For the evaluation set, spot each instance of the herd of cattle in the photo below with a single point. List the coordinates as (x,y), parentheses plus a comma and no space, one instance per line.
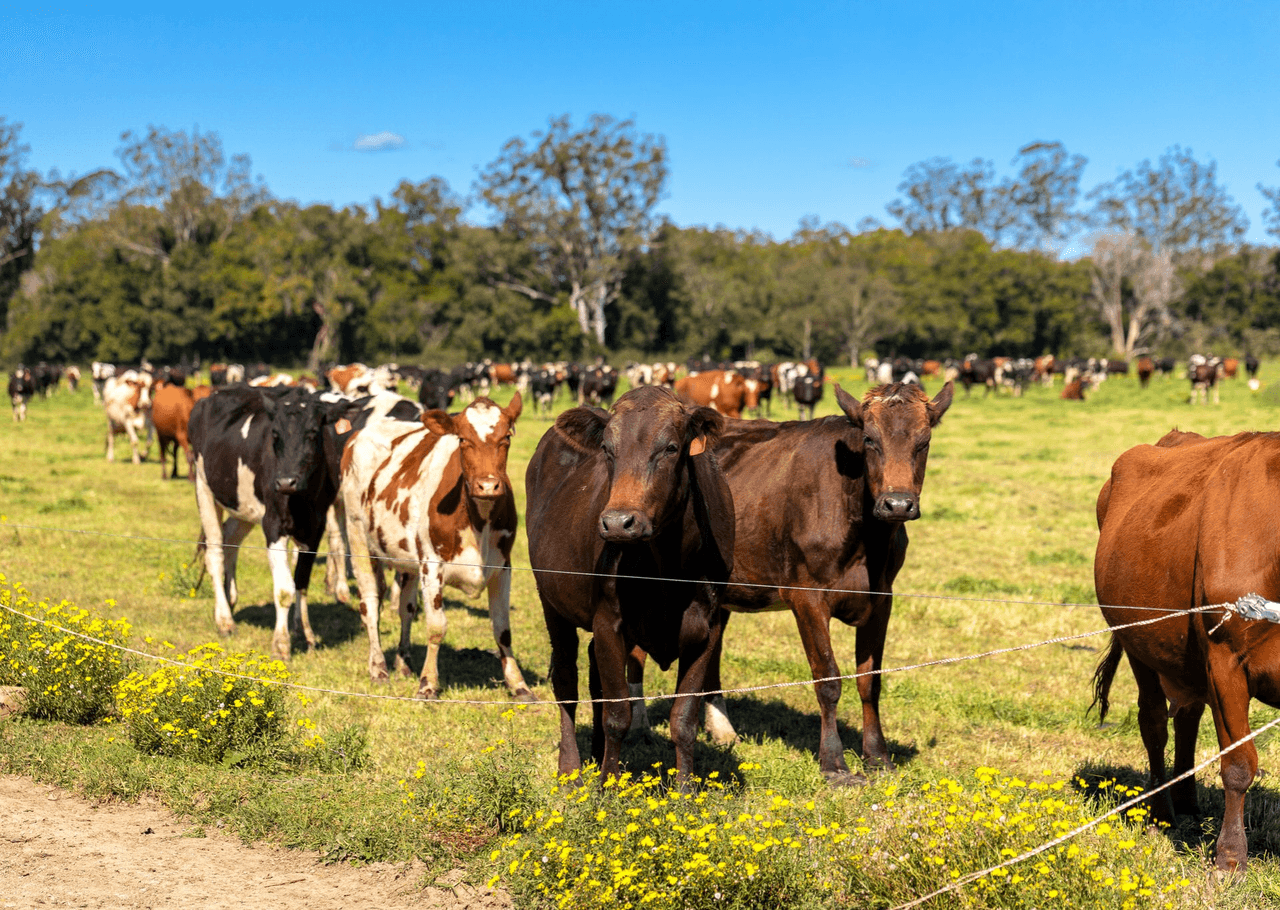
(651,522)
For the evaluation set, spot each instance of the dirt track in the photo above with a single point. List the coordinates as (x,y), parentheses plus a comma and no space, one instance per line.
(57,850)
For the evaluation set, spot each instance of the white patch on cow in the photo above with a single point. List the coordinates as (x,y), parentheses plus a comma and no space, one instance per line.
(483,417)
(244,430)
(715,390)
(248,508)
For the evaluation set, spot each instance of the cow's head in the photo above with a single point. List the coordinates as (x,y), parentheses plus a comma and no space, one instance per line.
(298,418)
(484,433)
(653,447)
(897,424)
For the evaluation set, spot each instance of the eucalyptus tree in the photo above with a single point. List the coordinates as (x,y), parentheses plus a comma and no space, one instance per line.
(581,201)
(938,195)
(1271,215)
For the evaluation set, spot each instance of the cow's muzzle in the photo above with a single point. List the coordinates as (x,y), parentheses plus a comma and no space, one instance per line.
(490,487)
(897,507)
(287,485)
(621,525)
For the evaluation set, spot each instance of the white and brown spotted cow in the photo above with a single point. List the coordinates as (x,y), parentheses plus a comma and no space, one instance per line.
(127,400)
(433,503)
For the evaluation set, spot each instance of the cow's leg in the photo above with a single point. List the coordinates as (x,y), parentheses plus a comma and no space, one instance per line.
(214,557)
(406,590)
(335,564)
(870,650)
(1186,728)
(703,633)
(299,616)
(500,618)
(716,713)
(234,531)
(283,592)
(814,623)
(367,583)
(111,441)
(635,685)
(564,683)
(1153,724)
(164,461)
(1229,693)
(132,432)
(610,652)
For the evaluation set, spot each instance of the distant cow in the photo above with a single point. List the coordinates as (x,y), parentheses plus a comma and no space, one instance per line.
(1251,366)
(127,401)
(1075,390)
(435,390)
(21,389)
(170,411)
(807,390)
(598,385)
(434,504)
(1204,380)
(264,457)
(725,391)
(978,372)
(630,526)
(1146,367)
(99,373)
(1183,525)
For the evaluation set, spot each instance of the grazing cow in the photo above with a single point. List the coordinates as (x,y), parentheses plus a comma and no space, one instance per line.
(435,503)
(831,546)
(21,389)
(1187,524)
(1146,367)
(630,527)
(170,412)
(127,401)
(978,372)
(724,391)
(264,457)
(1204,380)
(807,391)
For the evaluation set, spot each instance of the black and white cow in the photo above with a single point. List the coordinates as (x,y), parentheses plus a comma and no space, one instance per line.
(21,387)
(264,457)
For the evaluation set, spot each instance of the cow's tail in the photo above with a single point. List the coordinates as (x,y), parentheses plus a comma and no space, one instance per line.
(1103,676)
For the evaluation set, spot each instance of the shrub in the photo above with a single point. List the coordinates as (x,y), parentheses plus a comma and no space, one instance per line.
(211,706)
(67,659)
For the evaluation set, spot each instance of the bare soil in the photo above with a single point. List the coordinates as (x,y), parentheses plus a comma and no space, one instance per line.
(58,850)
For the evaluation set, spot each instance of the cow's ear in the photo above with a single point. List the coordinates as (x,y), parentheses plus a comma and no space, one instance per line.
(940,403)
(705,427)
(268,404)
(851,406)
(438,422)
(583,428)
(513,410)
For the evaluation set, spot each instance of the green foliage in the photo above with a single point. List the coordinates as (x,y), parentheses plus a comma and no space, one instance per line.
(64,657)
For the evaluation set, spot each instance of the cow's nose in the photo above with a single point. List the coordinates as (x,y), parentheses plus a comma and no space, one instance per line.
(897,507)
(488,487)
(286,484)
(624,525)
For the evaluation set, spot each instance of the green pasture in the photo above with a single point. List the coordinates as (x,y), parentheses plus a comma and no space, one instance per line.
(1001,558)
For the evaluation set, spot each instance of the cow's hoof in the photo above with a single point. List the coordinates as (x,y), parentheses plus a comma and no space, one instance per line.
(428,694)
(379,676)
(525,696)
(845,778)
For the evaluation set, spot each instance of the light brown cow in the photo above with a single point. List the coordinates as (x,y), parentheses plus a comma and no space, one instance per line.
(127,399)
(170,411)
(724,390)
(435,505)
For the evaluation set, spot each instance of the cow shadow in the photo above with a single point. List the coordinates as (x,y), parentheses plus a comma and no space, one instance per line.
(467,668)
(333,623)
(1105,786)
(756,720)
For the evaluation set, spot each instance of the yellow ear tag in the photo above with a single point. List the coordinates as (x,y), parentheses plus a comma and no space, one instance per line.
(698,446)
(343,426)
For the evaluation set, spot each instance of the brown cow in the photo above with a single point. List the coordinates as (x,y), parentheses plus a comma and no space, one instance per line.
(435,504)
(1146,367)
(1183,525)
(818,545)
(1230,367)
(1074,390)
(724,390)
(170,411)
(630,494)
(1204,381)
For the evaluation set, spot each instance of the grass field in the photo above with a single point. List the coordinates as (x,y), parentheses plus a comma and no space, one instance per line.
(1001,558)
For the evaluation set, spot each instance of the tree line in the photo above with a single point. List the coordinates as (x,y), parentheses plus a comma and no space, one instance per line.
(180,253)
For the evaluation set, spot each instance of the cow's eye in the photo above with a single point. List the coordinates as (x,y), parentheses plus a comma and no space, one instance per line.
(672,448)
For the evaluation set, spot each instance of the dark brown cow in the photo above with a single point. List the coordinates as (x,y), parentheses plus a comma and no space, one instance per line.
(1185,524)
(435,504)
(819,546)
(170,411)
(1146,367)
(1204,382)
(630,529)
(724,390)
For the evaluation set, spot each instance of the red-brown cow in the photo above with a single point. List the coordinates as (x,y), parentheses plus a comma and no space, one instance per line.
(818,547)
(630,527)
(434,503)
(170,412)
(1185,524)
(724,390)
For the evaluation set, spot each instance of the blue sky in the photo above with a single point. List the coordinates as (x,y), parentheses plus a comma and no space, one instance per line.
(771,111)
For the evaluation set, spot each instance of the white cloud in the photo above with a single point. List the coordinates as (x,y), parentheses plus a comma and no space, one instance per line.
(378,142)
(859,162)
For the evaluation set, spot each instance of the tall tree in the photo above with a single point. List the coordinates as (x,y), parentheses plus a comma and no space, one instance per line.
(581,201)
(1271,215)
(940,196)
(1175,205)
(1045,195)
(1133,286)
(20,213)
